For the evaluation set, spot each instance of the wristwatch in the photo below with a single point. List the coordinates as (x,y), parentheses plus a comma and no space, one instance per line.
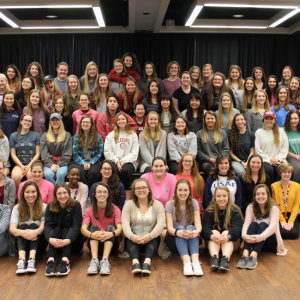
(229,237)
(114,234)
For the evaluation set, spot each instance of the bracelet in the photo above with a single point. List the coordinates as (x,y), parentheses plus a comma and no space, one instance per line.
(176,231)
(240,161)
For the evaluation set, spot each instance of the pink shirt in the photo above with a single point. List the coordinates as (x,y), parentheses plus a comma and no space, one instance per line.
(78,114)
(162,191)
(46,189)
(102,222)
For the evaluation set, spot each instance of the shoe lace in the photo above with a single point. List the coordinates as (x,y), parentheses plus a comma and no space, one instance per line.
(21,264)
(93,262)
(105,263)
(224,259)
(243,258)
(31,263)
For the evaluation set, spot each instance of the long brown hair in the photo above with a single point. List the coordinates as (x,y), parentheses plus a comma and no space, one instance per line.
(135,94)
(277,103)
(145,76)
(40,75)
(254,104)
(245,99)
(221,113)
(65,111)
(297,100)
(247,176)
(23,208)
(68,93)
(134,196)
(215,170)
(1,132)
(292,74)
(240,79)
(263,79)
(116,127)
(287,124)
(17,79)
(41,103)
(234,134)
(124,72)
(199,79)
(92,141)
(3,108)
(109,209)
(97,91)
(211,89)
(20,125)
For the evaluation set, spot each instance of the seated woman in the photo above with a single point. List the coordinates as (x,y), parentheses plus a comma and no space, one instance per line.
(259,77)
(223,174)
(194,112)
(272,85)
(63,220)
(87,150)
(241,143)
(46,188)
(139,117)
(13,76)
(162,183)
(27,224)
(255,174)
(180,141)
(272,144)
(71,97)
(122,148)
(211,142)
(248,94)
(143,220)
(132,65)
(35,71)
(79,191)
(222,225)
(24,149)
(4,151)
(261,228)
(187,169)
(108,174)
(153,96)
(6,242)
(184,228)
(22,95)
(286,194)
(152,141)
(7,188)
(50,91)
(101,225)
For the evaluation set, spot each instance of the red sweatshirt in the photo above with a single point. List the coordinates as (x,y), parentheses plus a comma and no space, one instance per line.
(140,126)
(129,109)
(133,73)
(115,77)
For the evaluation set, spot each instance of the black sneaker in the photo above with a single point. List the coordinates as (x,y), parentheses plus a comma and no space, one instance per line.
(224,263)
(146,269)
(64,268)
(136,268)
(50,268)
(214,262)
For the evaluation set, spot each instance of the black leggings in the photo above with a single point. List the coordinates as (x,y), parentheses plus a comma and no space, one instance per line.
(293,233)
(272,171)
(268,245)
(38,245)
(150,249)
(115,241)
(89,177)
(126,175)
(75,247)
(206,167)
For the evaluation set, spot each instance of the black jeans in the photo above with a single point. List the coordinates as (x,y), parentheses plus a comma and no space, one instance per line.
(272,171)
(89,177)
(268,245)
(126,175)
(293,233)
(75,247)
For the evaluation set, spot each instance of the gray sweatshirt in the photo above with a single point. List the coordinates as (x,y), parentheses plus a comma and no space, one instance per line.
(4,151)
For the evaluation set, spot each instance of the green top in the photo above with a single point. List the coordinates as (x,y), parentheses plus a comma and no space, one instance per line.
(72,105)
(294,141)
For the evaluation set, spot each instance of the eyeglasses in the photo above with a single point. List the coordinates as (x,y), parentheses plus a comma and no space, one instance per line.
(26,82)
(188,161)
(143,188)
(27,121)
(102,192)
(106,169)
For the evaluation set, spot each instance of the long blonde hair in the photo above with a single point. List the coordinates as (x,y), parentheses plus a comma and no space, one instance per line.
(221,113)
(68,93)
(147,132)
(5,78)
(97,91)
(86,76)
(276,134)
(135,94)
(116,127)
(240,79)
(61,137)
(217,134)
(266,105)
(203,78)
(297,100)
(199,79)
(41,103)
(47,95)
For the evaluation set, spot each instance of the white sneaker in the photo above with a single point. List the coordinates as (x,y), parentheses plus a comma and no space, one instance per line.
(187,268)
(197,268)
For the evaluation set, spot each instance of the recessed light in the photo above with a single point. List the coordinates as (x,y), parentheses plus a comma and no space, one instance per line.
(51,17)
(238,16)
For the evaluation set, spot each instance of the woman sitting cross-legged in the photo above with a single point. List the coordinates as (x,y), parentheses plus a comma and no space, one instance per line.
(184,227)
(104,219)
(222,226)
(261,228)
(143,220)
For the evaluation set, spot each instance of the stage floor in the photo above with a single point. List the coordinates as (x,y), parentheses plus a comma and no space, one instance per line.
(274,278)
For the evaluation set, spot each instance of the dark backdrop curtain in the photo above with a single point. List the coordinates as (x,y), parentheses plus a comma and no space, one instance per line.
(272,52)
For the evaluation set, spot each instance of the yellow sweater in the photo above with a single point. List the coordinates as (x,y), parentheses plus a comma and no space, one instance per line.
(293,201)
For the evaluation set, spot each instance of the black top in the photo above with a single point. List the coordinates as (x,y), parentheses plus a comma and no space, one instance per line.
(246,143)
(67,121)
(263,87)
(235,226)
(215,105)
(184,98)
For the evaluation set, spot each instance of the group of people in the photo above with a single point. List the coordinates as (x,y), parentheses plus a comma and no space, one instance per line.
(71,147)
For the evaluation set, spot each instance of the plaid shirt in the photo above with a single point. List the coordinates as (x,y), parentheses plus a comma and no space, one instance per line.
(4,227)
(78,153)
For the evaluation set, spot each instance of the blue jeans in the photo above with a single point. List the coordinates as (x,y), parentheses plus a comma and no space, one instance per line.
(60,174)
(238,168)
(184,246)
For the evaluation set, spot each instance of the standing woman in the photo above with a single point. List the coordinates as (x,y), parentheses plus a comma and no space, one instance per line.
(129,96)
(71,97)
(255,174)
(63,219)
(286,195)
(167,113)
(184,228)
(84,110)
(4,87)
(272,144)
(272,86)
(122,148)
(292,130)
(56,150)
(287,75)
(24,149)
(173,82)
(22,95)
(50,91)
(248,95)
(100,94)
(187,169)
(235,82)
(211,142)
(254,116)
(37,109)
(261,228)
(241,144)
(102,224)
(10,113)
(149,73)
(153,96)
(87,150)
(143,220)
(294,92)
(226,112)
(34,70)
(7,187)
(207,73)
(180,141)
(222,225)
(118,75)
(139,117)
(195,73)
(194,112)
(259,77)
(132,65)
(152,141)
(14,77)
(27,225)
(88,80)
(109,175)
